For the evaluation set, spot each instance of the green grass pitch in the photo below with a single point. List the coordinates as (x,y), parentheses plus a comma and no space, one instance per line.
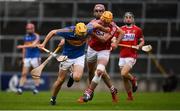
(102,100)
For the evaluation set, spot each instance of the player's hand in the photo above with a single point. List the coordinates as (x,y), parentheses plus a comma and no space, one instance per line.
(113,46)
(40,46)
(61,43)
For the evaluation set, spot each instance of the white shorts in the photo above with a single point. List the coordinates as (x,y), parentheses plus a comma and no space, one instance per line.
(69,62)
(93,55)
(129,60)
(34,62)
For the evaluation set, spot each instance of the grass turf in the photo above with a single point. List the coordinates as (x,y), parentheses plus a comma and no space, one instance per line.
(101,100)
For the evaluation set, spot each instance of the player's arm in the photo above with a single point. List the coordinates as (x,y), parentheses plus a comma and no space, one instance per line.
(27,45)
(103,38)
(36,41)
(117,37)
(141,39)
(121,34)
(108,35)
(50,35)
(62,42)
(23,54)
(95,25)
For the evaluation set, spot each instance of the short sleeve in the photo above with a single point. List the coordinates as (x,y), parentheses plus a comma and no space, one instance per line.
(89,28)
(66,30)
(61,33)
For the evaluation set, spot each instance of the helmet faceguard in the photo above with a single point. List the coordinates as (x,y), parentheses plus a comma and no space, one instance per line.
(128,18)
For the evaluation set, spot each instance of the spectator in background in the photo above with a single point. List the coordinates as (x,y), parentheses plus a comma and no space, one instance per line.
(30,57)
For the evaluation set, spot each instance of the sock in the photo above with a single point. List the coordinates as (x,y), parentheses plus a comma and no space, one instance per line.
(53,98)
(20,87)
(112,88)
(36,87)
(129,93)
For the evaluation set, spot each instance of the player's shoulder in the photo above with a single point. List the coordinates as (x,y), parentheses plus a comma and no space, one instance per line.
(137,27)
(69,29)
(94,20)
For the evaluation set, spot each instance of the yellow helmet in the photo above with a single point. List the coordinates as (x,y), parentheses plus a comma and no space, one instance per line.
(107,17)
(80,29)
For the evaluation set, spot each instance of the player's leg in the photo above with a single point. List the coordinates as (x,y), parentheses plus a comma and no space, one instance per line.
(100,70)
(123,65)
(113,90)
(91,63)
(35,62)
(71,80)
(91,57)
(125,72)
(63,70)
(106,77)
(91,70)
(128,88)
(127,85)
(77,70)
(75,75)
(25,70)
(57,85)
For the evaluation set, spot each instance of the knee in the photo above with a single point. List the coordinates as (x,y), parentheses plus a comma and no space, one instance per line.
(23,75)
(100,69)
(99,72)
(123,73)
(76,78)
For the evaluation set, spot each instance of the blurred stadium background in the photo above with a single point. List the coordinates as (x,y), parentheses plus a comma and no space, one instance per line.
(159,19)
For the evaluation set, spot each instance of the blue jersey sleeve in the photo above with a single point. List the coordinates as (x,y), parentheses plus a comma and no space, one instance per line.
(67,30)
(89,28)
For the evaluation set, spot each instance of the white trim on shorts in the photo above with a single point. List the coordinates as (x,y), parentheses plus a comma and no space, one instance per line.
(34,62)
(93,55)
(128,60)
(69,62)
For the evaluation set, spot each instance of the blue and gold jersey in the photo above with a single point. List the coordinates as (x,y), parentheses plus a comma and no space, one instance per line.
(31,52)
(74,45)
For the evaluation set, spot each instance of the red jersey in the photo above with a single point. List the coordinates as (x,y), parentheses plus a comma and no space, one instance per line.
(131,37)
(95,43)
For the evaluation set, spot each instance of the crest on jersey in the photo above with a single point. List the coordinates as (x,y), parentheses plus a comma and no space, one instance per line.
(100,33)
(129,37)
